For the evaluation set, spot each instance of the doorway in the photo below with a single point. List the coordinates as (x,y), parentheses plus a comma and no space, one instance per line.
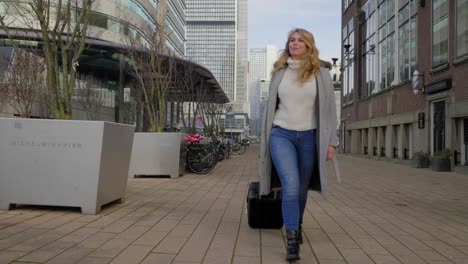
(438,126)
(465,139)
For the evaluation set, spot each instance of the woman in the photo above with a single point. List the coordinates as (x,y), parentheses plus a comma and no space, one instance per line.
(298,131)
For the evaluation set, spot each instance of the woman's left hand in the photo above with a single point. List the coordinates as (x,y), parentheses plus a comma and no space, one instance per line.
(330,152)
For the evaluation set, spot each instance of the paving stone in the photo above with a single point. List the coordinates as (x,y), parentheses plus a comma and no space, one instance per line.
(132,255)
(322,246)
(355,255)
(151,238)
(37,242)
(47,252)
(93,260)
(382,213)
(384,259)
(343,241)
(112,248)
(412,243)
(20,237)
(9,256)
(430,255)
(221,248)
(154,258)
(248,242)
(96,240)
(246,260)
(196,247)
(72,255)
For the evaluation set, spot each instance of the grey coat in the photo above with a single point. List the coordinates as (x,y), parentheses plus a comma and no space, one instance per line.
(326,134)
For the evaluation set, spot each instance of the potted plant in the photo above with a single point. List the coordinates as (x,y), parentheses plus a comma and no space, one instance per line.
(420,159)
(59,162)
(61,54)
(441,160)
(152,65)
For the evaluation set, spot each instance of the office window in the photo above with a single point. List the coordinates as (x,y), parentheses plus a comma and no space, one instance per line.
(407,38)
(440,32)
(98,20)
(115,26)
(369,60)
(348,63)
(462,28)
(346,4)
(386,44)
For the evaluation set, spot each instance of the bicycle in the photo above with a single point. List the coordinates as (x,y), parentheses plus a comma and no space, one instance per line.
(240,148)
(200,158)
(220,150)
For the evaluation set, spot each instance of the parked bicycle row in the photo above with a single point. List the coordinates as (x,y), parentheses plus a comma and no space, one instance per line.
(201,158)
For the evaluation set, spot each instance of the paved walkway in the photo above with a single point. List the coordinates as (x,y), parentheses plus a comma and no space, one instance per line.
(382,213)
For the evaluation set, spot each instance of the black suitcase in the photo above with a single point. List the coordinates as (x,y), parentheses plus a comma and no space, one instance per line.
(264,212)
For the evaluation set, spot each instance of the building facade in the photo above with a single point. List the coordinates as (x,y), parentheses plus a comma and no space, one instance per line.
(241,92)
(404,66)
(261,62)
(129,17)
(217,39)
(211,39)
(111,23)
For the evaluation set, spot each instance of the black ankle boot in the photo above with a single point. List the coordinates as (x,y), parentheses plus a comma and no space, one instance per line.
(293,245)
(299,235)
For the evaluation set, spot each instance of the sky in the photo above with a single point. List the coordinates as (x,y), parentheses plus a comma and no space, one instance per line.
(271,20)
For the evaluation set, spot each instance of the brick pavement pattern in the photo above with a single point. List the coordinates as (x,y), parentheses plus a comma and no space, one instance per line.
(382,213)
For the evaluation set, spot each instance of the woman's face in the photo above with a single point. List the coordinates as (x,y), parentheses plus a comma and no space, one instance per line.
(297,47)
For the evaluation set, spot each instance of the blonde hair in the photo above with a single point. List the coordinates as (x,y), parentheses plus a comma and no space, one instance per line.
(310,62)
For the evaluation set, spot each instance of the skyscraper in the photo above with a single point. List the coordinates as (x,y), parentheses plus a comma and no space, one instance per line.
(241,97)
(217,39)
(261,64)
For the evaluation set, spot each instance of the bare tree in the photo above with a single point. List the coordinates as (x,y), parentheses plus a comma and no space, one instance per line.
(211,112)
(151,64)
(62,27)
(23,80)
(195,100)
(4,90)
(188,94)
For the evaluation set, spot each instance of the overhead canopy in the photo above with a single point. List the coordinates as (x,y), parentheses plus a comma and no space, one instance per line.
(102,59)
(105,55)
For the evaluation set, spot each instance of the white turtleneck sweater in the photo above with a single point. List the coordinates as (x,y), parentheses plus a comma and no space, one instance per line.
(297,102)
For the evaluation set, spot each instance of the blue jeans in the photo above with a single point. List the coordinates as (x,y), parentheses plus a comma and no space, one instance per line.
(294,155)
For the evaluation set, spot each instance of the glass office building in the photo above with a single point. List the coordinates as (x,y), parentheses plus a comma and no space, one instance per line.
(111,22)
(217,39)
(241,94)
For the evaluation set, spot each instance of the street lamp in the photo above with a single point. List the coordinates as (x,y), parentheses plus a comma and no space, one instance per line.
(334,61)
(352,55)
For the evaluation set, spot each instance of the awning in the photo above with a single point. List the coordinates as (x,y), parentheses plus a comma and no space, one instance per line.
(103,58)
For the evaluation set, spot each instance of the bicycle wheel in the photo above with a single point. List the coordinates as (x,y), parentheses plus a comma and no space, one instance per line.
(226,151)
(235,149)
(201,161)
(221,154)
(242,149)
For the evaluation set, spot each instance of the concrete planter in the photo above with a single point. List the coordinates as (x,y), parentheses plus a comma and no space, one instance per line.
(441,164)
(63,163)
(420,160)
(158,154)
